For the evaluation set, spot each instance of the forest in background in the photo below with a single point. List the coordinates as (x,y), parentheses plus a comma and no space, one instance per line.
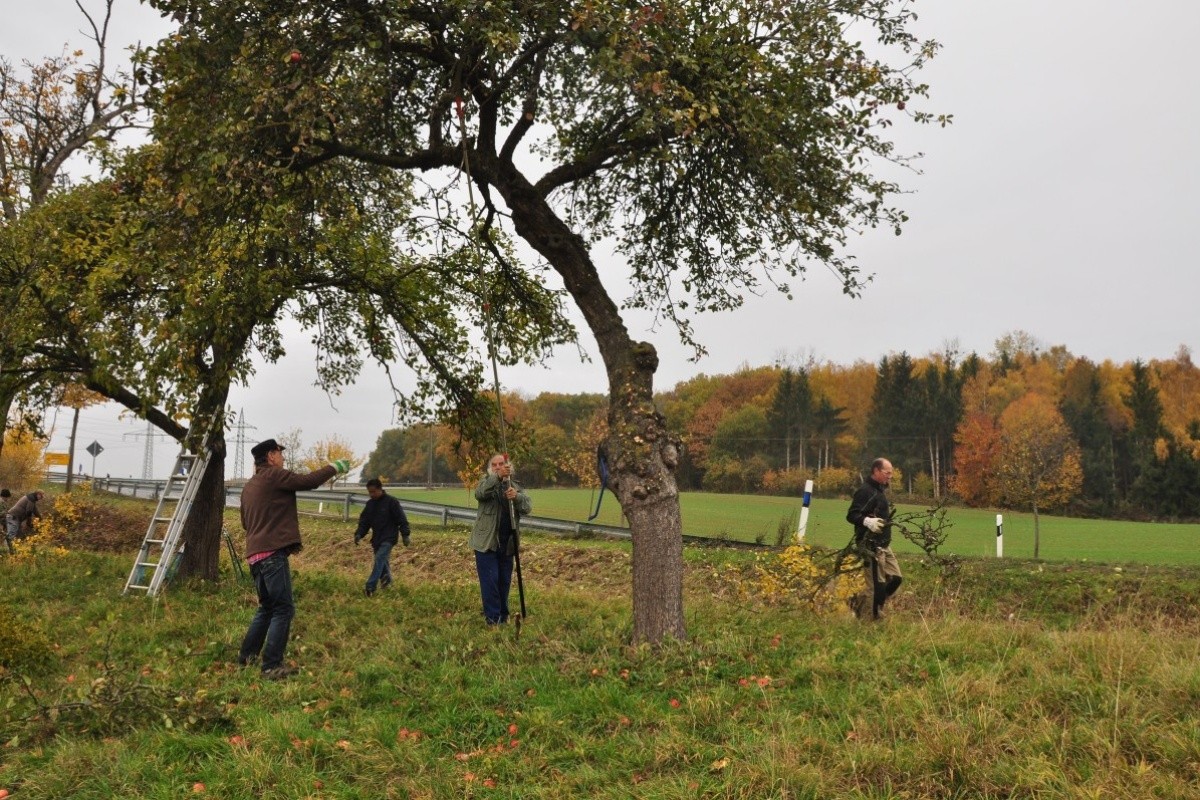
(1028,426)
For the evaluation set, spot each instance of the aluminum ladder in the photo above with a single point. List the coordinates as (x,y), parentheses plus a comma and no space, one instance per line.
(163,540)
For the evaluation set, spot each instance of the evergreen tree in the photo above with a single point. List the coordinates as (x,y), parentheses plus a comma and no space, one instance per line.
(894,427)
(939,413)
(828,422)
(1169,486)
(789,419)
(1146,409)
(1083,410)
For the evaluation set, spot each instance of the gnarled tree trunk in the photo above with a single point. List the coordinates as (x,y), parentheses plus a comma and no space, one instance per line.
(202,532)
(643,458)
(643,455)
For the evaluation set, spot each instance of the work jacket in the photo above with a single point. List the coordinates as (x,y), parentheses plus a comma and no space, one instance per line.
(490,494)
(383,517)
(269,507)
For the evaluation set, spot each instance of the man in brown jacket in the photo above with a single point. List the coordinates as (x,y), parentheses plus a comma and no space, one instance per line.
(272,534)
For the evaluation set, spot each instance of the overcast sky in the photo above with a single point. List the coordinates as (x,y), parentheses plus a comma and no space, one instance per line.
(1062,202)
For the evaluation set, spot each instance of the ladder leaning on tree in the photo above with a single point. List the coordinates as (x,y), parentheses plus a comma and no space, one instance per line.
(164,537)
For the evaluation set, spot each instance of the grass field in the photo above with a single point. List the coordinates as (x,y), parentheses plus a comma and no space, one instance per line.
(752,517)
(1005,680)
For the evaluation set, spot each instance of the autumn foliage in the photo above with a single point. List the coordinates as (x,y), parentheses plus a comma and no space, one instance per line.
(977,441)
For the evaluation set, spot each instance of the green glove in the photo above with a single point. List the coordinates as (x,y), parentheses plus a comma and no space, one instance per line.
(341,465)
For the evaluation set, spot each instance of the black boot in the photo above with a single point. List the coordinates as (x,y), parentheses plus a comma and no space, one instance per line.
(879,599)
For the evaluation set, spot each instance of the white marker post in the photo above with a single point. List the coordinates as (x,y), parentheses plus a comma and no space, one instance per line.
(999,536)
(804,512)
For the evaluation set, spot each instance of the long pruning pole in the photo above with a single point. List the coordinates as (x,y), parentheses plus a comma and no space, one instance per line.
(491,342)
(512,510)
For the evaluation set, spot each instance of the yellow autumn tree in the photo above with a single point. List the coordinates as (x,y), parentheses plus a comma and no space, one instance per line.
(21,462)
(1037,461)
(329,449)
(580,460)
(1179,389)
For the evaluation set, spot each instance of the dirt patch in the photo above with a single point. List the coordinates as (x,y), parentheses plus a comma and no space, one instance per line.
(104,528)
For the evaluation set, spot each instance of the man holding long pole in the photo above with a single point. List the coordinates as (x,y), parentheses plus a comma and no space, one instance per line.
(494,539)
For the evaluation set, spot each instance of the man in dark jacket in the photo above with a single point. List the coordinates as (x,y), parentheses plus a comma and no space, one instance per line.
(871,515)
(272,534)
(384,517)
(19,518)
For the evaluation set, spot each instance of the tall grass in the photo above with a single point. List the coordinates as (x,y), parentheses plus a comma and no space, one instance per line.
(1008,680)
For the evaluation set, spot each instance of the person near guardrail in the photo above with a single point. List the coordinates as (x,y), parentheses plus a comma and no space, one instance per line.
(871,515)
(385,518)
(19,518)
(268,510)
(492,537)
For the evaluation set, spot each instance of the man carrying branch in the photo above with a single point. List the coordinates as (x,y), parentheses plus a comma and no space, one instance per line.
(871,515)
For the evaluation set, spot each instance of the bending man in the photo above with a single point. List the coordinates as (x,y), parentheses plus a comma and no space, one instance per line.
(19,519)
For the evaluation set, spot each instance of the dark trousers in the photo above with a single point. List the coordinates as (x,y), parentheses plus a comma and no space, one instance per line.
(273,620)
(495,579)
(382,570)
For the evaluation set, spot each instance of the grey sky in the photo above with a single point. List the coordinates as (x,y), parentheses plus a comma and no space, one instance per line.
(1060,202)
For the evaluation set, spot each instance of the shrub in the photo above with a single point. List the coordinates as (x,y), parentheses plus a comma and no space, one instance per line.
(835,481)
(735,475)
(922,485)
(24,650)
(788,483)
(808,575)
(21,462)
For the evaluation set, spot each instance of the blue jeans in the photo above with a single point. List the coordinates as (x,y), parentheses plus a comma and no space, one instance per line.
(273,620)
(495,579)
(382,570)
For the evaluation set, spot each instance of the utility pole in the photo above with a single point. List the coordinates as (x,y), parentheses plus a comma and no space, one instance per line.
(429,479)
(239,457)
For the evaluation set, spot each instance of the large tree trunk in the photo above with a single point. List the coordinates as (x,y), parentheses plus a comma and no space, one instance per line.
(7,397)
(1037,534)
(202,531)
(643,456)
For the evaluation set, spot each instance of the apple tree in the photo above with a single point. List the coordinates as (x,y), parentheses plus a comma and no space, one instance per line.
(1037,459)
(719,146)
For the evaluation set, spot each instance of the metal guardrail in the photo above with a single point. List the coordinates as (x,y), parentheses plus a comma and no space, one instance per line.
(346,501)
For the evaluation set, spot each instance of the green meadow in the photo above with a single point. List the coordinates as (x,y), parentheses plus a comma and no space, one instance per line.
(751,518)
(1001,680)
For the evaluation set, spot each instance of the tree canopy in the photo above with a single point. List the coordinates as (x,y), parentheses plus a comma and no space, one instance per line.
(721,146)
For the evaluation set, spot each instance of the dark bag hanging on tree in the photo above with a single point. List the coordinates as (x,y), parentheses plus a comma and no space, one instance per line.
(602,474)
